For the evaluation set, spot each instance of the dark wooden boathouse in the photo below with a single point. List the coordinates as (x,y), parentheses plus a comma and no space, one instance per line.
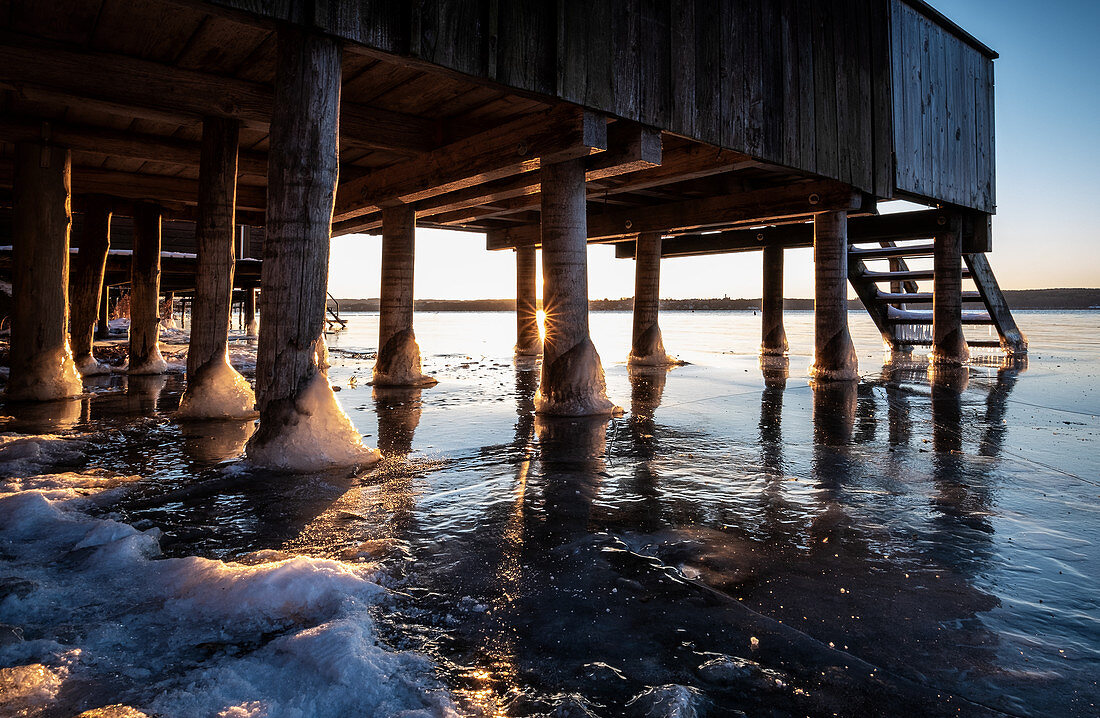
(259,128)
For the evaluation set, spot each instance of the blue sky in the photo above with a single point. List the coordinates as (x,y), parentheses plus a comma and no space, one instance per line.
(1048,181)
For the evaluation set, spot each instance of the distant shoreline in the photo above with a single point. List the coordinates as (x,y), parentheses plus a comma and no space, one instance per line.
(1056,299)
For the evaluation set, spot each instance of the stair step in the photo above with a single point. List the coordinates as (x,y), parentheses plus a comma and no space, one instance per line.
(914,274)
(927,321)
(912,250)
(995,343)
(920,297)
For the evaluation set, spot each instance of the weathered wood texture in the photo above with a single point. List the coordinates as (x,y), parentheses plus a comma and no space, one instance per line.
(794,82)
(41,362)
(87,277)
(398,362)
(646,344)
(943,112)
(145,291)
(948,343)
(773,337)
(215,239)
(528,342)
(302,177)
(572,382)
(834,352)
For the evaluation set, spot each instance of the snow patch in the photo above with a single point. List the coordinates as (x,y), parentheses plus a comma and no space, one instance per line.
(319,435)
(218,392)
(187,636)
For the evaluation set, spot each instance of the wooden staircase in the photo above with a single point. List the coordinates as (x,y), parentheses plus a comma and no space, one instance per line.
(901,308)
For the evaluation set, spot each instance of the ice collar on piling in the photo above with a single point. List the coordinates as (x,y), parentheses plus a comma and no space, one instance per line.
(52,375)
(218,391)
(155,364)
(319,436)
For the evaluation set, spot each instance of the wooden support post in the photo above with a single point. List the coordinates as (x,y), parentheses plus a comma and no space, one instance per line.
(87,284)
(572,377)
(251,325)
(647,346)
(41,362)
(834,352)
(302,427)
(528,341)
(215,390)
(103,323)
(773,341)
(948,342)
(145,308)
(398,362)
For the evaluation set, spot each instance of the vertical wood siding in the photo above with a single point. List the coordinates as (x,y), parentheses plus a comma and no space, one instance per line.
(815,85)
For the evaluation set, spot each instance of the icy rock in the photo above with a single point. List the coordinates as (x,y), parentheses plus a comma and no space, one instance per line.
(26,455)
(669,701)
(319,436)
(116,711)
(218,392)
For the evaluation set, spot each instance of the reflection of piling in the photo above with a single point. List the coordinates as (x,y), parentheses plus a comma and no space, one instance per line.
(398,409)
(996,405)
(571,452)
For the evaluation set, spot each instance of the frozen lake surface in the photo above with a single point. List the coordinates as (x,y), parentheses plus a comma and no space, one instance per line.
(735,544)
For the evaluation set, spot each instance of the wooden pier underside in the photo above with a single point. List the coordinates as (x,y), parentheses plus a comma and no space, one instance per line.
(460,130)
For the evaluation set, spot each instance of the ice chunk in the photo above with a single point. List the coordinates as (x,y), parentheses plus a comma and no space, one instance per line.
(155,364)
(318,436)
(573,385)
(185,637)
(218,392)
(88,366)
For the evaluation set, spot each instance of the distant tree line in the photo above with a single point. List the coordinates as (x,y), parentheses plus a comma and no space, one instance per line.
(1062,299)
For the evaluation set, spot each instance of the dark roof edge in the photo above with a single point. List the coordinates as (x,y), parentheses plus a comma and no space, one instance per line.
(953,27)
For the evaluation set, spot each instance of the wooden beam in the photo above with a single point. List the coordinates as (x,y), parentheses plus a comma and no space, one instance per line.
(118,143)
(125,82)
(565,132)
(681,164)
(878,228)
(757,206)
(155,188)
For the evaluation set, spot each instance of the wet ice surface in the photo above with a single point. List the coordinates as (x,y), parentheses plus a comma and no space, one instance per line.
(729,545)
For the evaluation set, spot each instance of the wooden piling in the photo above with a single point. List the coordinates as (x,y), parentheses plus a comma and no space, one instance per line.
(398,362)
(87,284)
(145,308)
(834,352)
(572,382)
(103,323)
(948,343)
(214,388)
(41,361)
(301,425)
(647,346)
(528,341)
(251,326)
(773,341)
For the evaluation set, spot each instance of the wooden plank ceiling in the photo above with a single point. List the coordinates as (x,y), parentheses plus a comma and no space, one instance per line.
(125,84)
